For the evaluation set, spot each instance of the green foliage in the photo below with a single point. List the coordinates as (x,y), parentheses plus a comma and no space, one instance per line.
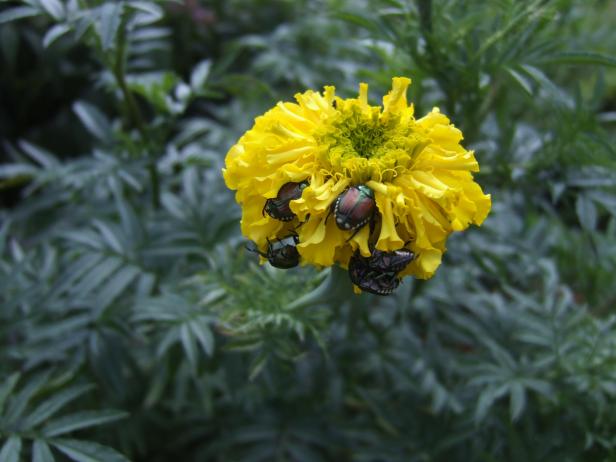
(21,419)
(127,296)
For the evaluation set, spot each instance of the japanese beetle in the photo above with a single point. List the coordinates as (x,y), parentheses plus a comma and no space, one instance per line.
(278,207)
(371,280)
(378,273)
(354,207)
(281,253)
(394,261)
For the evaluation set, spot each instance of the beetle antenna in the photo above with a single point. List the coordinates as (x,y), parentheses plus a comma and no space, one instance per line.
(253,248)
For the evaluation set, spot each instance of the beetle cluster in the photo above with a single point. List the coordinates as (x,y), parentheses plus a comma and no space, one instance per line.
(353,209)
(282,253)
(378,273)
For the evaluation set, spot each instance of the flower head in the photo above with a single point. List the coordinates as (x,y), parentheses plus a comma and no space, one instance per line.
(416,170)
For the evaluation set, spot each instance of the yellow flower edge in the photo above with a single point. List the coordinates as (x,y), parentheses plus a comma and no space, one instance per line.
(420,174)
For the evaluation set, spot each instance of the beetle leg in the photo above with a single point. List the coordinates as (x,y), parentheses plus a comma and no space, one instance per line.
(328,214)
(357,230)
(302,223)
(373,220)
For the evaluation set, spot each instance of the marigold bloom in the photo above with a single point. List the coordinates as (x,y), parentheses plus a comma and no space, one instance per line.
(420,174)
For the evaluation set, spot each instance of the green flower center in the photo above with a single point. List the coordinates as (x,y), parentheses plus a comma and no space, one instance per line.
(362,146)
(357,134)
(365,136)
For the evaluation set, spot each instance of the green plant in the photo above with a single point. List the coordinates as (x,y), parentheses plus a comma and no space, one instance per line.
(135,325)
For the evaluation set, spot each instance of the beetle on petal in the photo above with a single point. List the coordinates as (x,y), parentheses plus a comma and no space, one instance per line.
(278,207)
(371,280)
(394,261)
(281,253)
(354,208)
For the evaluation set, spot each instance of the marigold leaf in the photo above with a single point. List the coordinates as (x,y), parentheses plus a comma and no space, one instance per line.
(7,387)
(19,12)
(109,22)
(54,7)
(11,450)
(54,33)
(87,451)
(80,420)
(518,400)
(586,212)
(93,119)
(580,57)
(52,405)
(41,452)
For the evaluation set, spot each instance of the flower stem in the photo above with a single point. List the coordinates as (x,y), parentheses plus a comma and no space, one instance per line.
(425,15)
(133,111)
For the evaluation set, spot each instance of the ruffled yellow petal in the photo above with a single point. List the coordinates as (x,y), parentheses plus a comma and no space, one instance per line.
(395,100)
(427,262)
(319,240)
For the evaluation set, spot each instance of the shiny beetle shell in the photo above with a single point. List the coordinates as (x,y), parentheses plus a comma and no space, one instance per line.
(394,261)
(278,207)
(282,253)
(354,208)
(370,280)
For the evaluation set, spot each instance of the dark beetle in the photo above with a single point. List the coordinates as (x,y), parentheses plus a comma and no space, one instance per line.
(278,207)
(394,261)
(371,280)
(281,253)
(378,273)
(354,207)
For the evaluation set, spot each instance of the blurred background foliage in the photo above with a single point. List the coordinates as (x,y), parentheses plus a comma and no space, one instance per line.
(135,326)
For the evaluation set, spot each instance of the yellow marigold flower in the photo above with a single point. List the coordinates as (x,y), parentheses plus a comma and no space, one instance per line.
(420,174)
